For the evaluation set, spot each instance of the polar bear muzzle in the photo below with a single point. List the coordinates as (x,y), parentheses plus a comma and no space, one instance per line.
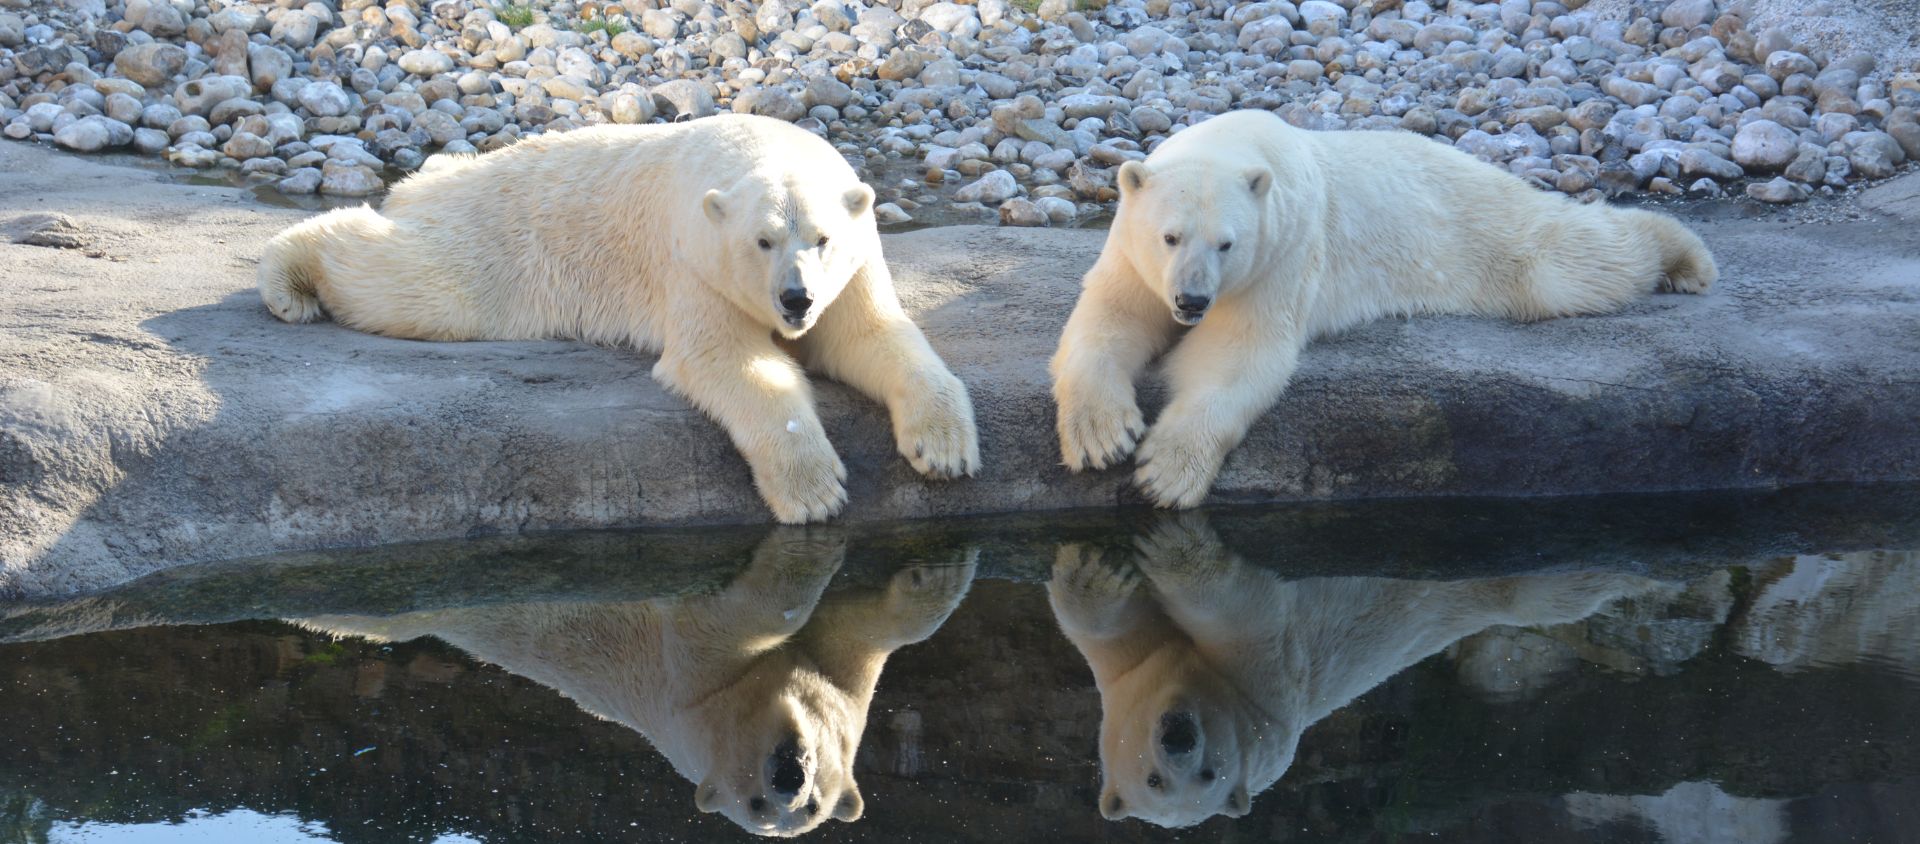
(784,772)
(1178,733)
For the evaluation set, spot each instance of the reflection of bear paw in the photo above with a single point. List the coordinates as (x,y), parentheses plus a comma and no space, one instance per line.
(803,553)
(1177,466)
(1097,428)
(1090,570)
(936,433)
(804,484)
(1179,542)
(932,582)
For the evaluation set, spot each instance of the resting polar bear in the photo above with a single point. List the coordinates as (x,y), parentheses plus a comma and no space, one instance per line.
(1210,669)
(700,240)
(758,694)
(1263,236)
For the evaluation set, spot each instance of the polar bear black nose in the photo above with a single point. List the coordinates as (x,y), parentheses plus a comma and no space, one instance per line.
(1189,302)
(788,775)
(795,300)
(1178,733)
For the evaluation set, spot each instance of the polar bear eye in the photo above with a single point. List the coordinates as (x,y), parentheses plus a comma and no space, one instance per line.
(765,243)
(822,241)
(1153,780)
(1226,246)
(1171,239)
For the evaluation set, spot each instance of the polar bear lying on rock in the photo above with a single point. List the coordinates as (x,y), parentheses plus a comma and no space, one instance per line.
(758,694)
(725,244)
(1210,669)
(1261,237)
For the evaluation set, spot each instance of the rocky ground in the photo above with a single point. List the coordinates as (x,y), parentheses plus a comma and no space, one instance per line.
(965,110)
(153,413)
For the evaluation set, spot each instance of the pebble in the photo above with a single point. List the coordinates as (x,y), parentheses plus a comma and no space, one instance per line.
(425,62)
(1765,145)
(1779,190)
(300,181)
(152,64)
(995,186)
(324,99)
(93,134)
(977,107)
(338,178)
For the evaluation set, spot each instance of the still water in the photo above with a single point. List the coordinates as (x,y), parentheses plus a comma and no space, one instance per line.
(1700,668)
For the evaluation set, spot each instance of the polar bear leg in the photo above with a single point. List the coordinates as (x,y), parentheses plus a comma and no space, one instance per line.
(866,341)
(1116,329)
(1203,586)
(1556,598)
(778,590)
(737,375)
(1095,592)
(1224,374)
(853,631)
(1595,259)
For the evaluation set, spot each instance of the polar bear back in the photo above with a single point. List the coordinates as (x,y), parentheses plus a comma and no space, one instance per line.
(578,234)
(1383,223)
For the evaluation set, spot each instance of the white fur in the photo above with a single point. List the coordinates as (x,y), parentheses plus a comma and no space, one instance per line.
(649,236)
(718,682)
(1327,230)
(1184,626)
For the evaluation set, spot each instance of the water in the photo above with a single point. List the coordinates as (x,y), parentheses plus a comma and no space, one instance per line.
(1701,668)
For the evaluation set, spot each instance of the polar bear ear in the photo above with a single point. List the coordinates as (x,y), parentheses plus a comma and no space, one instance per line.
(1133,176)
(859,200)
(715,204)
(706,798)
(1258,180)
(850,806)
(1111,806)
(1238,803)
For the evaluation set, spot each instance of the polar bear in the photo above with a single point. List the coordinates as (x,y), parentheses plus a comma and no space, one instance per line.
(758,694)
(729,245)
(1260,237)
(1209,669)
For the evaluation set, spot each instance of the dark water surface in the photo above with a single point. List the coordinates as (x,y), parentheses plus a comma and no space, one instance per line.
(1698,668)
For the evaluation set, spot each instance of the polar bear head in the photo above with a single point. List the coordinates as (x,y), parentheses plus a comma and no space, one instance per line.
(789,243)
(1192,226)
(1180,744)
(779,760)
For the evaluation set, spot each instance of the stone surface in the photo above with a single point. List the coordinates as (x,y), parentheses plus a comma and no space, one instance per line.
(152,413)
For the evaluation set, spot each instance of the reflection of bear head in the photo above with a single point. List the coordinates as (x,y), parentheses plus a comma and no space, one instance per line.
(1210,669)
(784,762)
(1174,742)
(757,693)
(789,247)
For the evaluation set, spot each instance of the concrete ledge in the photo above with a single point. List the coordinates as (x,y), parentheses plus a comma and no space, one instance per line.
(153,414)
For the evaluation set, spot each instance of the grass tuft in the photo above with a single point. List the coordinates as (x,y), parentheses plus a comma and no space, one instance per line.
(611,28)
(514,16)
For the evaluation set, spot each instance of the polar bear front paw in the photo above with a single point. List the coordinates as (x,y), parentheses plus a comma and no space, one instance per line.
(936,583)
(1097,428)
(935,431)
(803,483)
(1177,465)
(1089,571)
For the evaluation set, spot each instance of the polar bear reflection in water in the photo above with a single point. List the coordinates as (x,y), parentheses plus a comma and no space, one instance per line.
(1209,669)
(757,693)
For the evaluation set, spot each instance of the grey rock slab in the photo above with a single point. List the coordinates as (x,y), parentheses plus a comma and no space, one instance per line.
(153,414)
